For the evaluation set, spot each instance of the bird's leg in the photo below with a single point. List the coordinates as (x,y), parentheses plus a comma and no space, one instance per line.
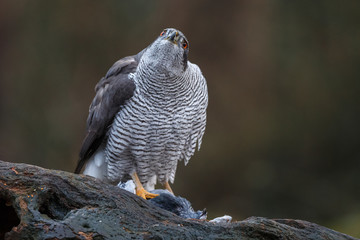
(140,190)
(167,187)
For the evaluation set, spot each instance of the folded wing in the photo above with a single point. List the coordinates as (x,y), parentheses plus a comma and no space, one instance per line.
(112,91)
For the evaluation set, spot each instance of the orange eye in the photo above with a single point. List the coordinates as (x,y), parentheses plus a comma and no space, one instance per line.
(163,32)
(185,45)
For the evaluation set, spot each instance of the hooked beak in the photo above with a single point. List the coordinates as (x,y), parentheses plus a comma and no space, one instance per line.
(173,37)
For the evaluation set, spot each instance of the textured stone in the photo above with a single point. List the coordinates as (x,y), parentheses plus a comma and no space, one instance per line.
(37,203)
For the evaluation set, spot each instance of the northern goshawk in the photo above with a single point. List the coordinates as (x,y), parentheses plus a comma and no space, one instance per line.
(149,112)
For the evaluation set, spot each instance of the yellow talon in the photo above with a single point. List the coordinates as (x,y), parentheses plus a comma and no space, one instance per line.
(140,191)
(167,187)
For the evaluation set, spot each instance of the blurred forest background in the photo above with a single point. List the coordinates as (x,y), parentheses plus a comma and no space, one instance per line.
(282,137)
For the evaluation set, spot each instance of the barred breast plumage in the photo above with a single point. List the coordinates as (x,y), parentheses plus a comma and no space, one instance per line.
(161,123)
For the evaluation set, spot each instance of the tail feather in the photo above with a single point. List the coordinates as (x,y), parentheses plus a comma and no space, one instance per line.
(80,165)
(90,144)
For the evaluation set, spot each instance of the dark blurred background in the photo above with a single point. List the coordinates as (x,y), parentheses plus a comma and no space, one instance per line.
(282,137)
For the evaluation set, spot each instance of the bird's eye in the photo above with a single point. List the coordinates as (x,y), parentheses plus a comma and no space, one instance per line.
(163,32)
(185,45)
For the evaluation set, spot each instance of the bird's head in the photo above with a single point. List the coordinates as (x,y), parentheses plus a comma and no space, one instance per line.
(169,52)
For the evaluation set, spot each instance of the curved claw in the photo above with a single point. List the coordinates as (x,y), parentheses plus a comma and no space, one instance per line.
(141,192)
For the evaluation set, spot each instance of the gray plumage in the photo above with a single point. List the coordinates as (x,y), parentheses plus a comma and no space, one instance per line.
(177,205)
(149,112)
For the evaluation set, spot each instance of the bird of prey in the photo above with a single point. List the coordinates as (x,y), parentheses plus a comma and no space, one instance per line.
(149,112)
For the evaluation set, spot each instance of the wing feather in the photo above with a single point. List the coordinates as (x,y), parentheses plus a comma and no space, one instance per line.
(112,91)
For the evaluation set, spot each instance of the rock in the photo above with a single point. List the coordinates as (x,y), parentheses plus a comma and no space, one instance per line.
(37,203)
